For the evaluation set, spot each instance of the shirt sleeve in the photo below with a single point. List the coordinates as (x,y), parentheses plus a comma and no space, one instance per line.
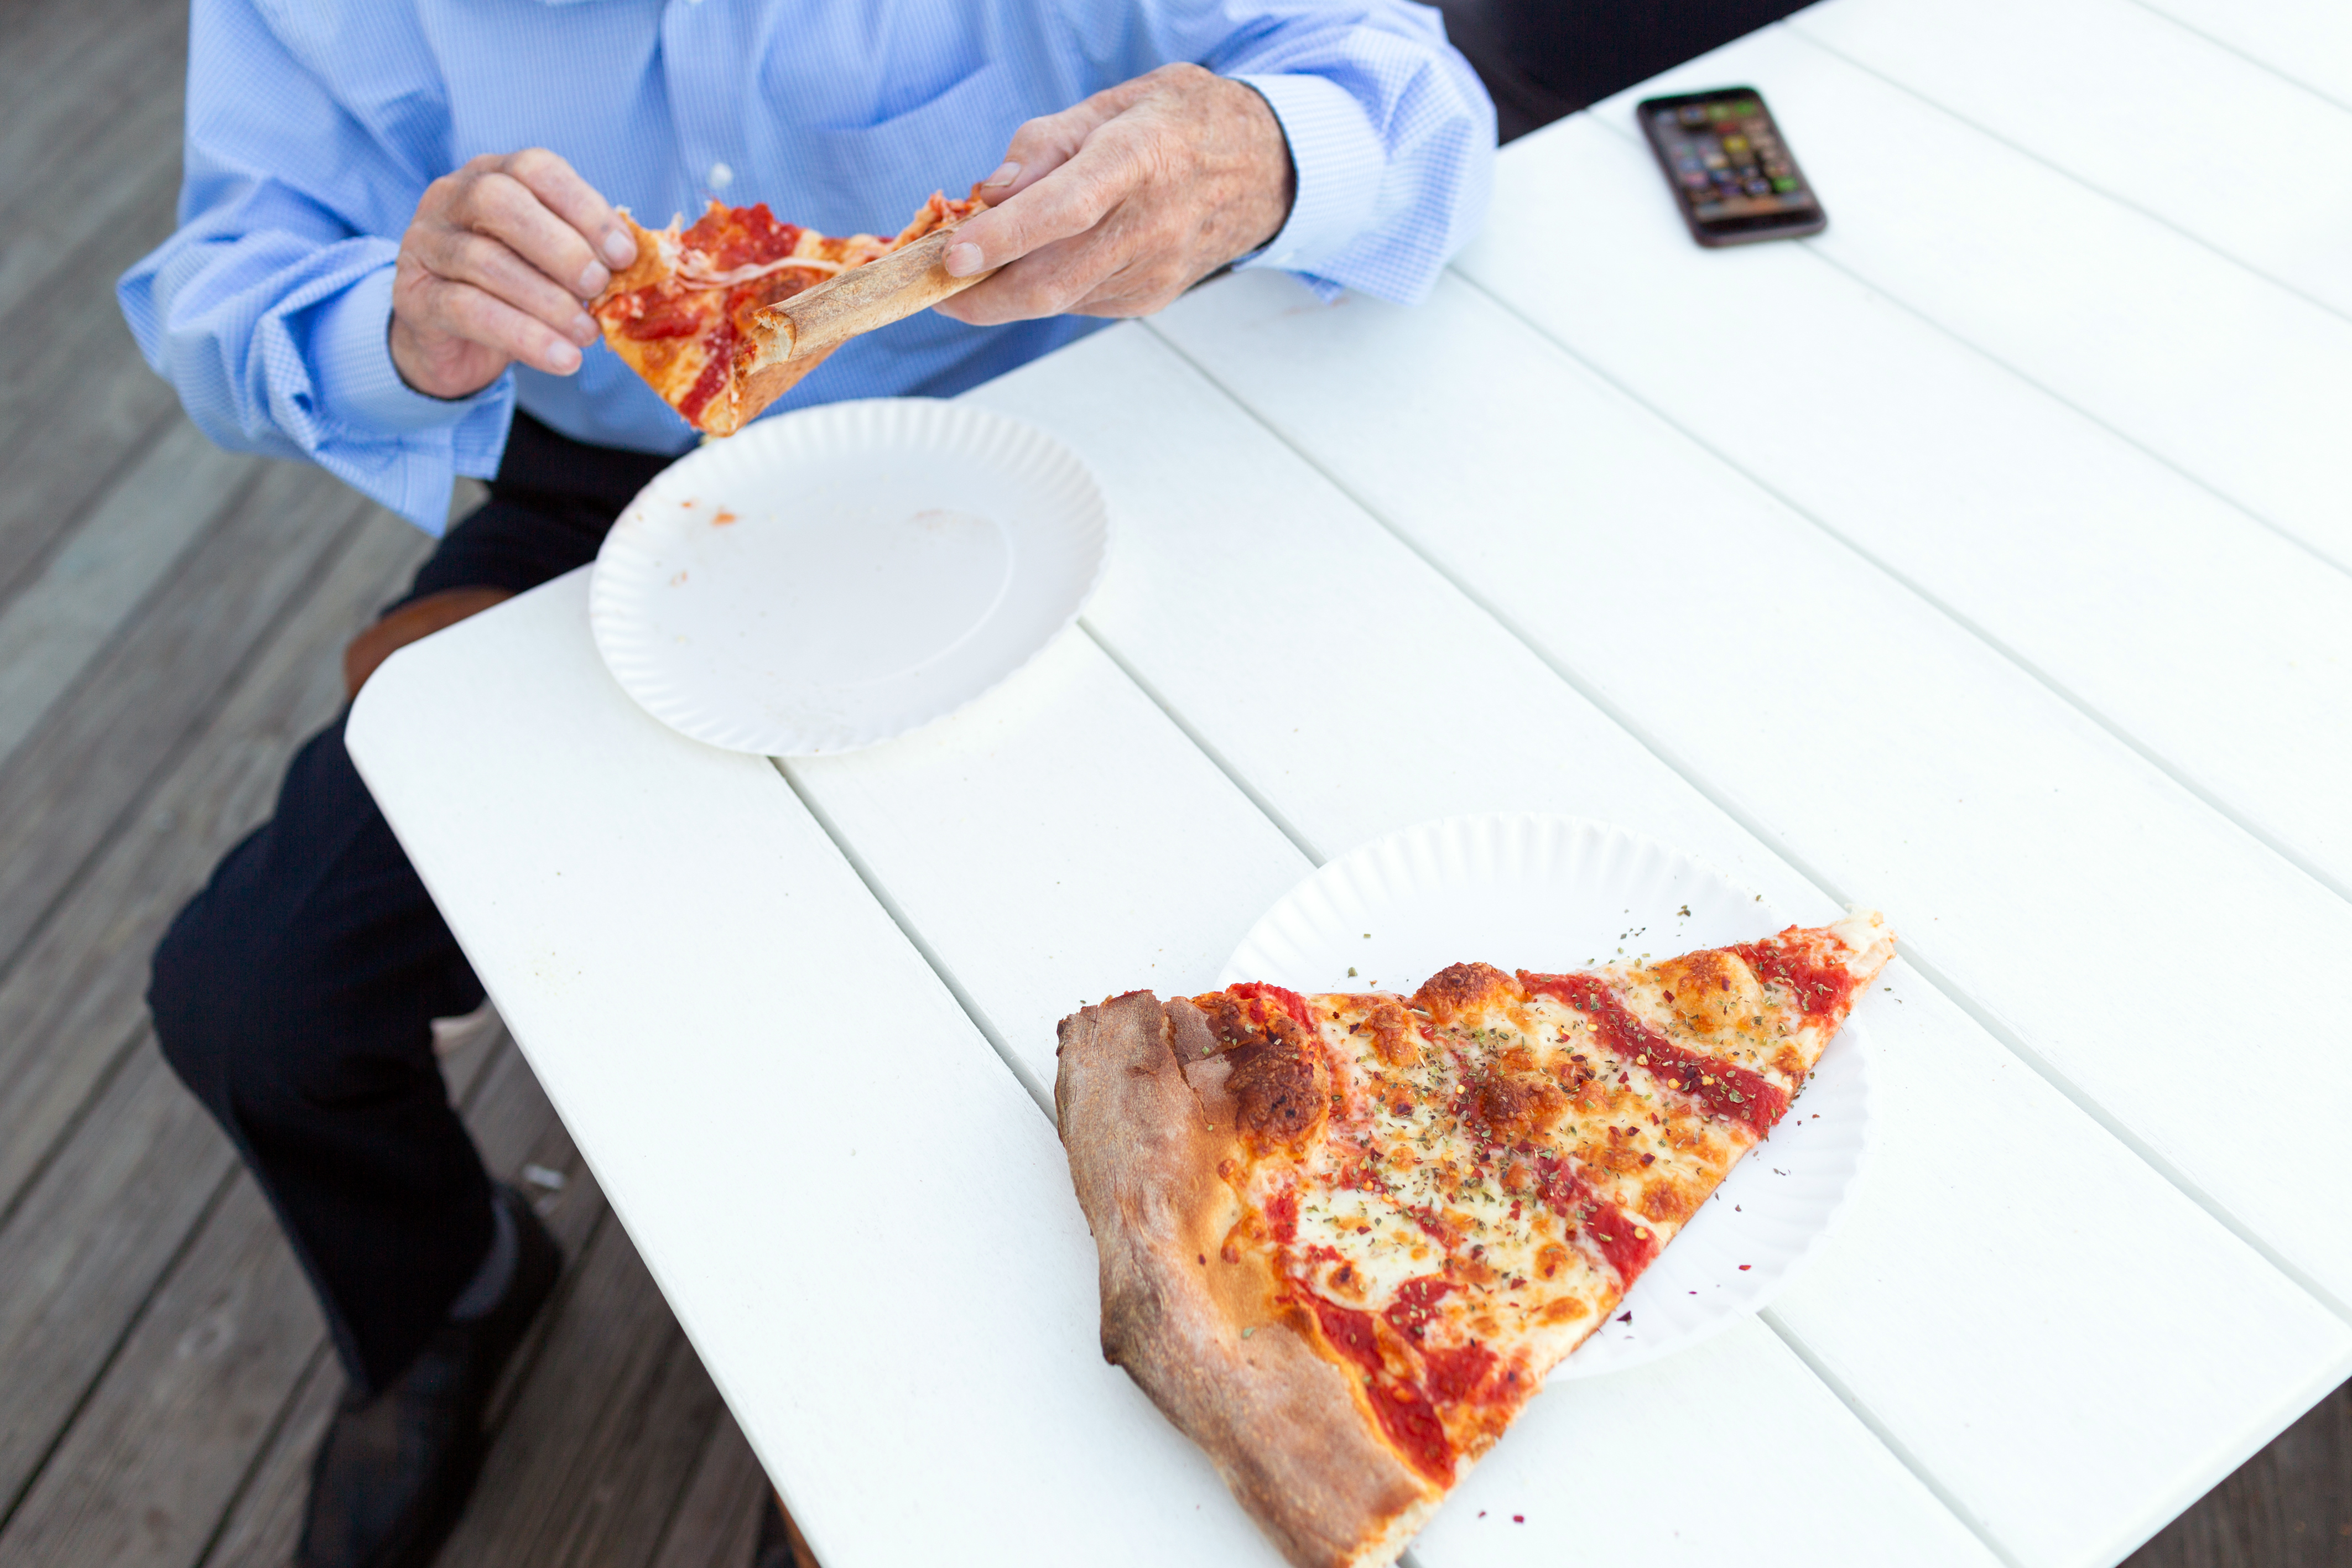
(269,310)
(1391,133)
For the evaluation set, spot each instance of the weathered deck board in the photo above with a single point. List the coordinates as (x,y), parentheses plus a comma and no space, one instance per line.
(128,542)
(604,1434)
(84,1250)
(265,1520)
(78,403)
(145,1473)
(718,1519)
(2289,1506)
(67,787)
(72,999)
(156,1456)
(74,157)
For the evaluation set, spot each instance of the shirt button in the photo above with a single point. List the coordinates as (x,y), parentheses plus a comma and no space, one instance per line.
(720,177)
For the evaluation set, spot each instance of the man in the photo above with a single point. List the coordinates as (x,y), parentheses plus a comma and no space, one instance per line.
(390,218)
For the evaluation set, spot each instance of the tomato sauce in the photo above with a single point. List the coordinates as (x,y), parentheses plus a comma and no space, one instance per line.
(1291,1002)
(1350,1330)
(713,379)
(1411,1424)
(1727,1090)
(742,237)
(664,318)
(1416,1305)
(1455,1374)
(1629,1245)
(1819,988)
(1282,1216)
(1405,1411)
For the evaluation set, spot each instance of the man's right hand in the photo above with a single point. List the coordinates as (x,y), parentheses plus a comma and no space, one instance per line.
(493,270)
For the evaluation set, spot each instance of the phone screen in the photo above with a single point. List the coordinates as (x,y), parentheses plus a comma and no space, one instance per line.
(1732,173)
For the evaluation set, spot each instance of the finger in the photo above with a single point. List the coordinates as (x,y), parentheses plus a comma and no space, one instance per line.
(462,311)
(1047,282)
(562,192)
(1069,200)
(457,256)
(504,208)
(1043,145)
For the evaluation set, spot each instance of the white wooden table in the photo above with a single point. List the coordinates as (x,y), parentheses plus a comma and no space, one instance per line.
(1984,558)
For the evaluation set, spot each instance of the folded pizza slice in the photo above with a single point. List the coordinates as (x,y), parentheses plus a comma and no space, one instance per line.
(1344,1238)
(683,314)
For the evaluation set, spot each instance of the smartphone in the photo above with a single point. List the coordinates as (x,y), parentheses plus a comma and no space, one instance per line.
(1733,176)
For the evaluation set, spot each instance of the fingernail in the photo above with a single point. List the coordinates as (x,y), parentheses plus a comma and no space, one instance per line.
(563,359)
(1005,174)
(619,248)
(593,281)
(962,260)
(584,329)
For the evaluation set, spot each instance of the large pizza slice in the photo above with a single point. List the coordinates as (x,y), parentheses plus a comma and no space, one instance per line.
(1344,1238)
(683,316)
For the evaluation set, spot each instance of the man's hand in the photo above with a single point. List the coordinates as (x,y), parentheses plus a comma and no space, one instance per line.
(493,270)
(1116,206)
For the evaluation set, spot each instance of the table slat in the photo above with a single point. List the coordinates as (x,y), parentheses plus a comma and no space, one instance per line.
(2092,1446)
(2231,378)
(2134,105)
(2079,859)
(2219,646)
(1058,843)
(2305,41)
(864,1222)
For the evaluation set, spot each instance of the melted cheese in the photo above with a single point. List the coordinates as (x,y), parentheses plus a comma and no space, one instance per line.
(695,272)
(1491,1180)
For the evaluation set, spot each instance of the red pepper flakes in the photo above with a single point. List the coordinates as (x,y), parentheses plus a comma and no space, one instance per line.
(1745,1267)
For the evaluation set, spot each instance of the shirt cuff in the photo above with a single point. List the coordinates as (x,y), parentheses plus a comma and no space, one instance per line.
(1340,162)
(359,388)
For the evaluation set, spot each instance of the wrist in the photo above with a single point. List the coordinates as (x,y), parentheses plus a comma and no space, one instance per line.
(1274,175)
(441,374)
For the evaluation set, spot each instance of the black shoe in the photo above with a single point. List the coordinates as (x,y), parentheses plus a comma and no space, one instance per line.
(776,1547)
(394,1472)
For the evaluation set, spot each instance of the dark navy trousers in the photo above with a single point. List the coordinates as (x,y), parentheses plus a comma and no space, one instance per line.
(295,994)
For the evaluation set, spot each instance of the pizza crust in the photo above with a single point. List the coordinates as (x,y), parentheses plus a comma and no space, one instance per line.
(757,374)
(1146,1122)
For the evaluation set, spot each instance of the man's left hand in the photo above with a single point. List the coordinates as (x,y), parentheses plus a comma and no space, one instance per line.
(1118,205)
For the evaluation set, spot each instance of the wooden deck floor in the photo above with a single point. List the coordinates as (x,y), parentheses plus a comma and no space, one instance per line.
(171,619)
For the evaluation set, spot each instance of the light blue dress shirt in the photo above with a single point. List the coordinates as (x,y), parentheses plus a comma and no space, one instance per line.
(315,125)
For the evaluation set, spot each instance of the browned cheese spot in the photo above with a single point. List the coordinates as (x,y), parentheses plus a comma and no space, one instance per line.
(1617,1158)
(1281,1090)
(1667,1200)
(1714,992)
(1277,1076)
(1515,1106)
(1463,988)
(1390,1027)
(1561,1308)
(1550,1261)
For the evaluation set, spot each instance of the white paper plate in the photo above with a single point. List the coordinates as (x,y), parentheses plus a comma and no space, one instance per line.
(1557,894)
(838,576)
